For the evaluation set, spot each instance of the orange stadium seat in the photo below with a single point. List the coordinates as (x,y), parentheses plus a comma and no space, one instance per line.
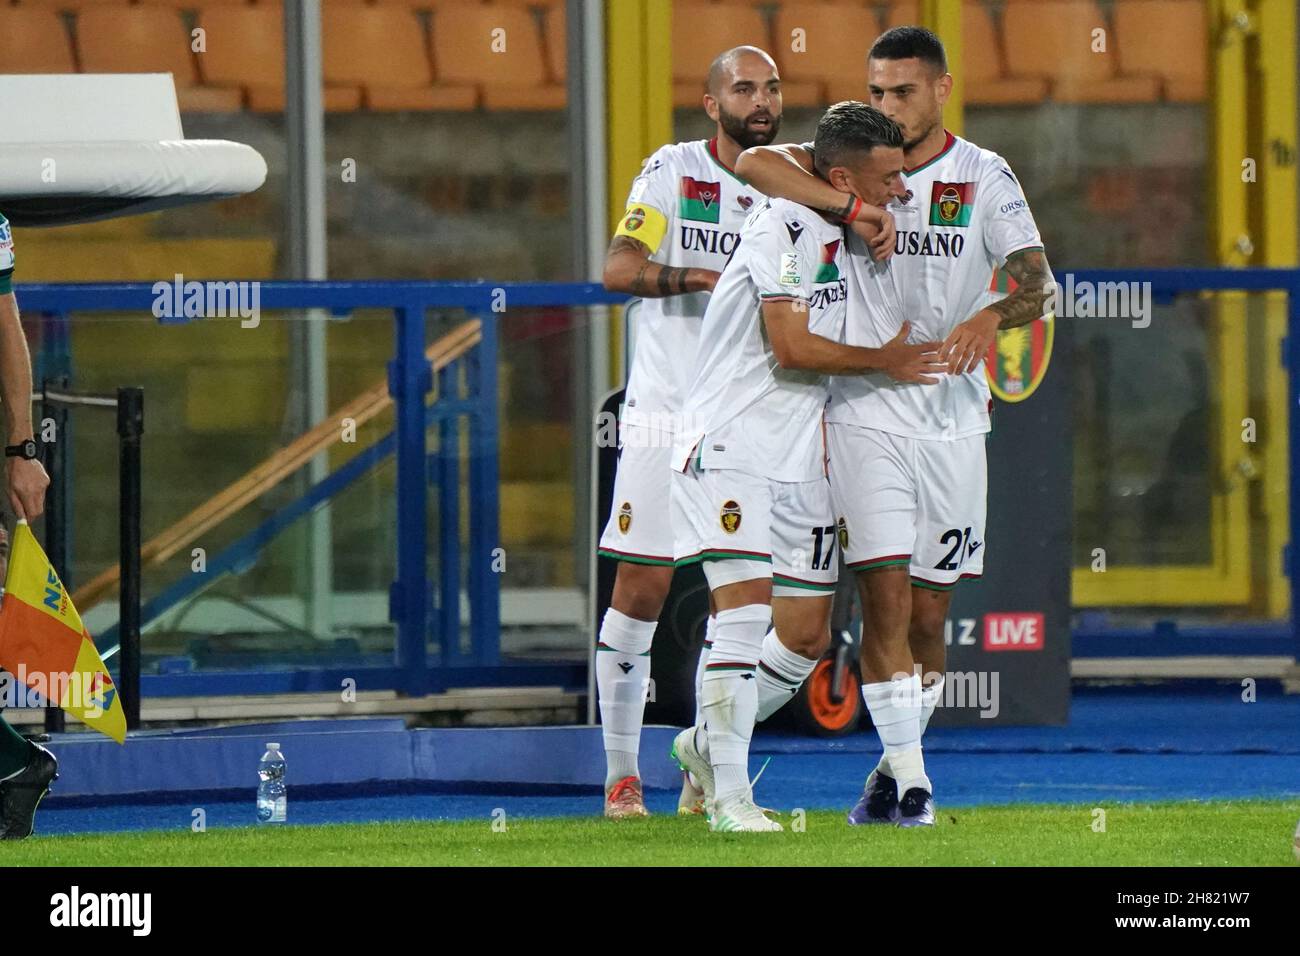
(1167,38)
(126,39)
(554,32)
(836,37)
(34,40)
(70,5)
(497,48)
(700,32)
(984,80)
(1053,39)
(245,51)
(382,50)
(180,4)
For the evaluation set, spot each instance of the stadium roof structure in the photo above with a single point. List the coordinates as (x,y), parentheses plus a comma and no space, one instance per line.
(81,147)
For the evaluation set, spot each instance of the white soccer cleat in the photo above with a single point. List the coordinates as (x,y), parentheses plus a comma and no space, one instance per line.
(741,816)
(698,774)
(691,800)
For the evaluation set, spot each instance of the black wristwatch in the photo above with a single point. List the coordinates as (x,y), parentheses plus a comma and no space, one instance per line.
(25,449)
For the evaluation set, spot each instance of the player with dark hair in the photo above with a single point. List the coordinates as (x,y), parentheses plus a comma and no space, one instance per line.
(907,466)
(749,496)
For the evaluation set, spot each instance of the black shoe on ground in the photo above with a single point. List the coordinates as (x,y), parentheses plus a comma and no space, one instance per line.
(22,793)
(916,808)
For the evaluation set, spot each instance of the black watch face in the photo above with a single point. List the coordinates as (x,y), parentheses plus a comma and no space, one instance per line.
(29,449)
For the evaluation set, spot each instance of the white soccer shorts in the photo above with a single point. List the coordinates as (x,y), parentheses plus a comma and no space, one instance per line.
(909,502)
(638,529)
(743,527)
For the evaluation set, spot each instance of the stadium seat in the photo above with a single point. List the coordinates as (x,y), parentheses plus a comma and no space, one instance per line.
(381,49)
(245,51)
(34,40)
(984,79)
(1167,38)
(1053,40)
(834,58)
(126,39)
(700,32)
(513,79)
(180,4)
(554,32)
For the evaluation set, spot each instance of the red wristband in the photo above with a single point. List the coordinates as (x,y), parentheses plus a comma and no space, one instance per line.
(854,209)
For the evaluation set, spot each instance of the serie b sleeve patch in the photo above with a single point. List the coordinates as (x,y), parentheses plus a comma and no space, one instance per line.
(791,271)
(645,224)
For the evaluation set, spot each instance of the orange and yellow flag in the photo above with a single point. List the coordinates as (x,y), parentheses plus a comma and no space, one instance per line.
(45,646)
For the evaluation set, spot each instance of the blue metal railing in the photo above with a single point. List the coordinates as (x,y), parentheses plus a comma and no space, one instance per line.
(410,381)
(413,606)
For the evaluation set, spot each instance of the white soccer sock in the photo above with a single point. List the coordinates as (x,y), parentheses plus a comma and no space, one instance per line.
(930,697)
(731,695)
(781,672)
(895,708)
(709,629)
(622,679)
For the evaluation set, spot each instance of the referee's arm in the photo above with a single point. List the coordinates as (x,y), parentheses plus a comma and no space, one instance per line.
(27,479)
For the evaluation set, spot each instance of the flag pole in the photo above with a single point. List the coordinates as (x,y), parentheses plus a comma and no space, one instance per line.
(130,426)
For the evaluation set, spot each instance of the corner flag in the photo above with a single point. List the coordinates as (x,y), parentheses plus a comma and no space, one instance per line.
(44,644)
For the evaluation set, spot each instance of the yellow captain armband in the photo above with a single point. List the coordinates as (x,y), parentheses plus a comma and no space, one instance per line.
(645,224)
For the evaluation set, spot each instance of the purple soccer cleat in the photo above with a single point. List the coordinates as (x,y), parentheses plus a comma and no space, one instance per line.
(916,808)
(878,803)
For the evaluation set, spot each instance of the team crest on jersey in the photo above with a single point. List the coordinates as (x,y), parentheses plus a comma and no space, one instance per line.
(730,517)
(700,201)
(624,517)
(827,271)
(1018,359)
(844,534)
(951,204)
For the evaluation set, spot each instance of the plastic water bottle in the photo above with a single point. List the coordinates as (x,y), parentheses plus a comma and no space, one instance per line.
(272,795)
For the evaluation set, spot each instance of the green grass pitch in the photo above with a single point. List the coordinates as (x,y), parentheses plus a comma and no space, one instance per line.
(1235,833)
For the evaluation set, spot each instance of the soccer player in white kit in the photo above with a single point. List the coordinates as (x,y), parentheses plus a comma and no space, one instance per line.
(749,495)
(907,466)
(682,222)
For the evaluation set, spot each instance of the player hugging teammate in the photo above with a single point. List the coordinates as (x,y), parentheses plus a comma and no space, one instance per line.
(750,497)
(682,223)
(896,310)
(907,467)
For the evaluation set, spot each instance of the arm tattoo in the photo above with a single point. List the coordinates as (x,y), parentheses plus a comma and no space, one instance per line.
(1029,269)
(637,287)
(672,280)
(669,280)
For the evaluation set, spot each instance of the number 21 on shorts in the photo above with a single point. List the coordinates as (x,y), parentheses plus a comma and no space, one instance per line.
(962,548)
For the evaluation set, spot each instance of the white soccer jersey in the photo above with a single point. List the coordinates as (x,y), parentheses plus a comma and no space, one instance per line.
(688,208)
(743,411)
(963,215)
(6,256)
